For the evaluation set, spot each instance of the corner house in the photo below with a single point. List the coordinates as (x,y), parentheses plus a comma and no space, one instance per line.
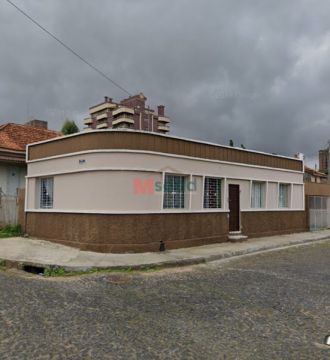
(127,191)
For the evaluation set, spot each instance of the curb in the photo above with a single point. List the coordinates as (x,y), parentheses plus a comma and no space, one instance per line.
(21,264)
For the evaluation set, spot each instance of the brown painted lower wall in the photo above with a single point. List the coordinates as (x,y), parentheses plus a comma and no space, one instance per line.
(128,233)
(268,223)
(140,233)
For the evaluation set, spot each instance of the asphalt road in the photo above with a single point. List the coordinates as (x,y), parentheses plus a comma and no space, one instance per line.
(274,305)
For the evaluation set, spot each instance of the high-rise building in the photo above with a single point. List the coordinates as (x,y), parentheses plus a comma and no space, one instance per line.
(131,113)
(323,160)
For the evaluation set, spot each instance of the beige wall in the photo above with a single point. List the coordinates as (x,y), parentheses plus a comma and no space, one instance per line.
(197,196)
(104,182)
(272,195)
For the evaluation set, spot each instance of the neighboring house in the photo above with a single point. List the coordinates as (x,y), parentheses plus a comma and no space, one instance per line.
(13,141)
(317,190)
(315,176)
(131,113)
(127,191)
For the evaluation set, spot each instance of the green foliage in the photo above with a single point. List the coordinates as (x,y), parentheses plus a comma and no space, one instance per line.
(231,142)
(10,231)
(54,271)
(69,127)
(2,265)
(242,146)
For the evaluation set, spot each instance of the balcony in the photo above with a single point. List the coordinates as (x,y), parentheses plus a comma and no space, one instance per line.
(102,116)
(88,121)
(164,128)
(104,106)
(103,125)
(122,120)
(123,109)
(164,119)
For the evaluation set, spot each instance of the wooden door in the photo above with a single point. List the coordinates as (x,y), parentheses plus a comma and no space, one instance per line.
(234,208)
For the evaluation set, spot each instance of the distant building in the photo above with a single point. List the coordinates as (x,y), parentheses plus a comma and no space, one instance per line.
(323,160)
(314,176)
(131,113)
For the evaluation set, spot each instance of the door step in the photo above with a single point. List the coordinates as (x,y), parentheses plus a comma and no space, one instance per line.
(236,236)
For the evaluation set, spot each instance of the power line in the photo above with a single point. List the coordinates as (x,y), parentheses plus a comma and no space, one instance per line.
(100,72)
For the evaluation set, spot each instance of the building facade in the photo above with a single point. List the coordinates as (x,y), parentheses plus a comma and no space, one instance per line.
(131,113)
(127,191)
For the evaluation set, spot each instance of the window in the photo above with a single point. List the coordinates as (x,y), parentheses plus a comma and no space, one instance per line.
(258,195)
(212,193)
(174,192)
(46,193)
(283,196)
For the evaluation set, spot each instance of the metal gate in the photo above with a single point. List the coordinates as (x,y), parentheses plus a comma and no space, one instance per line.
(8,209)
(318,212)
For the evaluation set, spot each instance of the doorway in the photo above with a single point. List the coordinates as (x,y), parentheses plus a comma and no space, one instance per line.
(234,208)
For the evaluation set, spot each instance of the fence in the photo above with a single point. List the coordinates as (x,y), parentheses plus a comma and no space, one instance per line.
(12,208)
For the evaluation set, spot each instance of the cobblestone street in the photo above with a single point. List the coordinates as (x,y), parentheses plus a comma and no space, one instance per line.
(268,306)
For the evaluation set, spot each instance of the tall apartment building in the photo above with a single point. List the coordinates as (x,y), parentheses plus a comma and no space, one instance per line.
(131,113)
(323,160)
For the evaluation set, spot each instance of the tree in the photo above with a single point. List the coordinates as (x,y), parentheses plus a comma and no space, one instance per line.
(69,127)
(231,142)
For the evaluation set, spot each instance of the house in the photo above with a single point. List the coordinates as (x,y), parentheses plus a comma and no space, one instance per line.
(135,191)
(129,113)
(315,176)
(13,141)
(317,191)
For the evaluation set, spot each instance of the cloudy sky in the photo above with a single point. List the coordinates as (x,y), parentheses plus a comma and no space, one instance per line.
(254,71)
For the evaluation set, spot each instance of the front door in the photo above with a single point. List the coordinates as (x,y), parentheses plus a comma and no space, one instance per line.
(234,208)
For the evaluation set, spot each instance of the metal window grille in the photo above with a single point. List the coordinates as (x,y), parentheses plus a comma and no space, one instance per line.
(258,195)
(212,193)
(174,193)
(283,199)
(46,193)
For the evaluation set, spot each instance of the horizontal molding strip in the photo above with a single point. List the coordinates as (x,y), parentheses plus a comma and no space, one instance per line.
(136,212)
(276,209)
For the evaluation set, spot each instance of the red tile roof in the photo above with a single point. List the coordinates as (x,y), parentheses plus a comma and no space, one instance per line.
(16,136)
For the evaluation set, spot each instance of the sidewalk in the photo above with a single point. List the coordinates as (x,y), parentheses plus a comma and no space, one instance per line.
(23,251)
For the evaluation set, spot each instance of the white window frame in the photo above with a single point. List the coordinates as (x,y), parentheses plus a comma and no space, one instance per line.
(46,194)
(175,198)
(258,200)
(286,196)
(219,200)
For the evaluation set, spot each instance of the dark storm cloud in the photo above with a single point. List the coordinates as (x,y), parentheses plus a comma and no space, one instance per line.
(253,71)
